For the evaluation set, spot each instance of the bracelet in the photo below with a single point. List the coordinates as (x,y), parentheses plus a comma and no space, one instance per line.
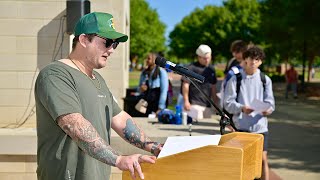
(154,147)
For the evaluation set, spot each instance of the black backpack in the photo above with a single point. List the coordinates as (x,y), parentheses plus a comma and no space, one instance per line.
(239,78)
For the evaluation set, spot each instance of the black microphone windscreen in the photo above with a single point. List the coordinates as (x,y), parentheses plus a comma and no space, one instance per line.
(160,61)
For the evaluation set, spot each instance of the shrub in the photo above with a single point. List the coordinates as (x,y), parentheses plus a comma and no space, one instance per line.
(219,73)
(275,77)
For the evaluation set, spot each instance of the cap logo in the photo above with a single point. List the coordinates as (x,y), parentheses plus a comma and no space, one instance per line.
(111,23)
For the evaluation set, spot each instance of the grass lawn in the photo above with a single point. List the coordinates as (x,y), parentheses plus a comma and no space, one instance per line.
(134,79)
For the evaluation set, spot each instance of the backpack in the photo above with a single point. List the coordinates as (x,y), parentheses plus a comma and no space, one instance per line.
(166,116)
(239,78)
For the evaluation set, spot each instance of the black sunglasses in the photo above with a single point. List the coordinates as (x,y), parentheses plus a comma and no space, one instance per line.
(110,42)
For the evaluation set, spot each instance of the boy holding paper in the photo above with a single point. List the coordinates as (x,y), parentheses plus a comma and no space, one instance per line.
(251,91)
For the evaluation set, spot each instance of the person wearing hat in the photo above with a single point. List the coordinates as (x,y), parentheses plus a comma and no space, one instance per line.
(193,100)
(75,110)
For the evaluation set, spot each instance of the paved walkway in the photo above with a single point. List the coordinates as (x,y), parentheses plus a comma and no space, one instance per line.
(294,145)
(294,136)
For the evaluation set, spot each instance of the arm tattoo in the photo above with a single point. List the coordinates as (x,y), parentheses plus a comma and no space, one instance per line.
(87,138)
(134,135)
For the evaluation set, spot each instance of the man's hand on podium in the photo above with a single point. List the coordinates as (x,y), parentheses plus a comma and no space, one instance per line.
(132,163)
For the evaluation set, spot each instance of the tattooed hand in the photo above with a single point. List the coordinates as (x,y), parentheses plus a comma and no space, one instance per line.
(128,129)
(132,163)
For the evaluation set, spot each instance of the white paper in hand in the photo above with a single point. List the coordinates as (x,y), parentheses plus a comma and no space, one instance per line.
(178,144)
(259,107)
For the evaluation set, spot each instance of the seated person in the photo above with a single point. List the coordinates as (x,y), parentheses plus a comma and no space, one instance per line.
(154,85)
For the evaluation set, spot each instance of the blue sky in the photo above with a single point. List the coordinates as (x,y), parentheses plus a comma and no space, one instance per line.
(172,12)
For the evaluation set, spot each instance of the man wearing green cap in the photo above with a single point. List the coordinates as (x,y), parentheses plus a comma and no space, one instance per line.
(75,110)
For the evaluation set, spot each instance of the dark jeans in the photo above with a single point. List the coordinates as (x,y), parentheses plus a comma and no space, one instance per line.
(293,88)
(152,97)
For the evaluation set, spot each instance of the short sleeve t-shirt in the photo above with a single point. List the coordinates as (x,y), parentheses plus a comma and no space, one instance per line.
(61,89)
(209,73)
(292,76)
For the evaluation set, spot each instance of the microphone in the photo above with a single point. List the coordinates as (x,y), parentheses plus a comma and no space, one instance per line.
(162,62)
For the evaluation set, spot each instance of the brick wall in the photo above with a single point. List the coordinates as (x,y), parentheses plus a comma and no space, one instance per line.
(30,39)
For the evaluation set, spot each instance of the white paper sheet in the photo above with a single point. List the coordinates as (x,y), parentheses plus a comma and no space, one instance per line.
(176,144)
(258,107)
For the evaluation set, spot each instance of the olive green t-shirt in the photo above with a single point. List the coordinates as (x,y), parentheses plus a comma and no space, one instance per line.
(61,89)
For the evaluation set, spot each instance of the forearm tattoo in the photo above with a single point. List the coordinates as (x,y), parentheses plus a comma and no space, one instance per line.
(135,136)
(87,138)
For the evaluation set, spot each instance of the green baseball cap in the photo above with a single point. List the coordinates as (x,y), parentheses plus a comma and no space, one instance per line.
(99,23)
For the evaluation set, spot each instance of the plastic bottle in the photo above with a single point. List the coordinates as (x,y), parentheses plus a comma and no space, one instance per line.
(184,118)
(178,115)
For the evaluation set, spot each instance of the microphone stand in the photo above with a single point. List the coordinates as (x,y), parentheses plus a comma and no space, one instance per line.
(224,119)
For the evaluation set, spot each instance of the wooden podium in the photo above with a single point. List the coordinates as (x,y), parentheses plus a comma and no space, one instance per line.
(237,157)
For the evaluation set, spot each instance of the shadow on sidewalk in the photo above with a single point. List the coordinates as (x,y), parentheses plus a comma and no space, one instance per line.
(294,133)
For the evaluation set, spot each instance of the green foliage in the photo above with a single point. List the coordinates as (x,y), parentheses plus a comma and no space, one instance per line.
(275,77)
(200,27)
(317,61)
(288,25)
(284,28)
(245,19)
(134,78)
(146,30)
(216,27)
(219,73)
(317,75)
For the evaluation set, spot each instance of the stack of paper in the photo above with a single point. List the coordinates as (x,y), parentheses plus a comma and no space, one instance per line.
(179,144)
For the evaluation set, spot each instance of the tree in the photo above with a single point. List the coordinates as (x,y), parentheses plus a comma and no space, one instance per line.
(147,32)
(246,20)
(293,32)
(216,27)
(207,26)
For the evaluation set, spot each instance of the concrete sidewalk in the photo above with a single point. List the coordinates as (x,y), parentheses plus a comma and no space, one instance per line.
(293,150)
(294,144)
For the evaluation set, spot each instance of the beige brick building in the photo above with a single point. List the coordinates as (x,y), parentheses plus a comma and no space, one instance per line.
(31,33)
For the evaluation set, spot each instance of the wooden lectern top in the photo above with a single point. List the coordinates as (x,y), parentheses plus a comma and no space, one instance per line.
(237,157)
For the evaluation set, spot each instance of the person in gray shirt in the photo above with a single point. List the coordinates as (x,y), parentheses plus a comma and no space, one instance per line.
(251,88)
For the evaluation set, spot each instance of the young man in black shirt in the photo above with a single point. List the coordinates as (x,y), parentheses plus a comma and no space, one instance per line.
(193,100)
